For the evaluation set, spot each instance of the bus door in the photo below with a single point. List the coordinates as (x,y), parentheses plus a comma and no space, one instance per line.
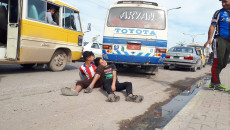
(14,11)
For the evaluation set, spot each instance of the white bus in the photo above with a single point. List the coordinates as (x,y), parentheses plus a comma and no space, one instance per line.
(136,34)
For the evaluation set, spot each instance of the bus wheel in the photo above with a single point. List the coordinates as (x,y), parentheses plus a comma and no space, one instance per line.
(150,69)
(27,66)
(58,61)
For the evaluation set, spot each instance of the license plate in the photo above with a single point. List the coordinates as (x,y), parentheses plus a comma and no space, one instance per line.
(133,47)
(176,57)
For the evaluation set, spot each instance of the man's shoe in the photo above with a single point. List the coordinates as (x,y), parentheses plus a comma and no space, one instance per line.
(68,92)
(134,98)
(113,98)
(211,85)
(221,87)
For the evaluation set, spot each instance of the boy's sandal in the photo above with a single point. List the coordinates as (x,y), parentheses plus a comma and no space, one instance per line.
(88,90)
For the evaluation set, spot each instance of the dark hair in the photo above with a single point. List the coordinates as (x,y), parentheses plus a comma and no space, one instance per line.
(87,54)
(97,61)
(52,8)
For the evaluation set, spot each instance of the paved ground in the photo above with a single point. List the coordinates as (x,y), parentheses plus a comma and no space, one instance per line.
(31,99)
(208,110)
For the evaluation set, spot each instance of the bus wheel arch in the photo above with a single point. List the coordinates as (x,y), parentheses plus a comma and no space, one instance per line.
(59,59)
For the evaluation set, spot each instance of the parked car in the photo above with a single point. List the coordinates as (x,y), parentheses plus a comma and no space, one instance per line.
(95,47)
(201,54)
(183,57)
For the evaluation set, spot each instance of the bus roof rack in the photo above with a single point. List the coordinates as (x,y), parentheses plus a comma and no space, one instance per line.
(137,2)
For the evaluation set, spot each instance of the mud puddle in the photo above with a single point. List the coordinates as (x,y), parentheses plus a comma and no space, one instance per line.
(163,112)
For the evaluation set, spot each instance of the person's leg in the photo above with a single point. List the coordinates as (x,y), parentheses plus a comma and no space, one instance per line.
(74,92)
(129,91)
(125,86)
(219,50)
(226,56)
(107,87)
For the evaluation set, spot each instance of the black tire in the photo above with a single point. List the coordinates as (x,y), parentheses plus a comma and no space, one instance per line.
(27,66)
(151,70)
(166,67)
(58,61)
(194,69)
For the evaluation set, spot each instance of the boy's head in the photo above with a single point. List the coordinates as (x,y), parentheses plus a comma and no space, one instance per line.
(100,61)
(52,10)
(88,56)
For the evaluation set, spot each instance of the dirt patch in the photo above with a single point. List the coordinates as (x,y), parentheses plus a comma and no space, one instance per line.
(175,89)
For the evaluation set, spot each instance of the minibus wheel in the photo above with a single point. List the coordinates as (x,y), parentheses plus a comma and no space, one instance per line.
(58,61)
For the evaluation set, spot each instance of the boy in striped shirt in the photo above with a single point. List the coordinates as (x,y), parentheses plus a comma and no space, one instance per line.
(87,70)
(90,77)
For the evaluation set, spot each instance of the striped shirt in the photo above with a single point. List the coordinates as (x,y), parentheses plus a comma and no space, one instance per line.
(88,71)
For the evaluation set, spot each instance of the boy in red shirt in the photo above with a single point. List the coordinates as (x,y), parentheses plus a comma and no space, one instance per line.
(88,78)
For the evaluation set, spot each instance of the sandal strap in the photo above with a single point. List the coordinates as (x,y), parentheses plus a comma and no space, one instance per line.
(90,90)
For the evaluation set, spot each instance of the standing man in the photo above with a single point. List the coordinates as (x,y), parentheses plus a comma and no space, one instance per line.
(220,43)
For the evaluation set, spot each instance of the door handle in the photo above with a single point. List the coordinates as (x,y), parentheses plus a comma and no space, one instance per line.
(13,25)
(45,44)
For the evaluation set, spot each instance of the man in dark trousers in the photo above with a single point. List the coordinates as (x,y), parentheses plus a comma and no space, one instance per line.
(220,44)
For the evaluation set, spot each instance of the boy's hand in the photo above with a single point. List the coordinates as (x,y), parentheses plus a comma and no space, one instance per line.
(113,87)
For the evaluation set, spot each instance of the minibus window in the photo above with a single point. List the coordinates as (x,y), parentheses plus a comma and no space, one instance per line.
(37,9)
(13,17)
(52,14)
(69,20)
(77,21)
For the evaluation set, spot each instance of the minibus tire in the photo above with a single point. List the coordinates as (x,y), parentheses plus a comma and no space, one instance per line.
(58,61)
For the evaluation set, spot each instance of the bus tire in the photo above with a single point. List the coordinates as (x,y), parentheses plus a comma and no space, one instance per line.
(166,67)
(152,70)
(58,61)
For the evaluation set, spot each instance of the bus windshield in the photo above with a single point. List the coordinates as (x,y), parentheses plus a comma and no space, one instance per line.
(136,17)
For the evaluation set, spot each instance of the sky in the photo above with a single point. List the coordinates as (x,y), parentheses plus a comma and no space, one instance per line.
(193,18)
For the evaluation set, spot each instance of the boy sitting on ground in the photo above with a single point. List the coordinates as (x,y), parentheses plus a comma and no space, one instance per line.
(87,70)
(90,77)
(111,84)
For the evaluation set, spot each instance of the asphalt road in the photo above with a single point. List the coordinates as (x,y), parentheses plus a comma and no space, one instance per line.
(31,99)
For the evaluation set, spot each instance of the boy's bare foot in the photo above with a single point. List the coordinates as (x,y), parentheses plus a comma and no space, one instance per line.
(68,92)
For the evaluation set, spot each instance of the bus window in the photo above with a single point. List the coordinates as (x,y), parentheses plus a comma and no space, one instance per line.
(13,17)
(77,21)
(69,19)
(36,9)
(137,18)
(52,15)
(3,22)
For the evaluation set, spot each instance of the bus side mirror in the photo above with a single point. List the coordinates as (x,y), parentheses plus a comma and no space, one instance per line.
(89,27)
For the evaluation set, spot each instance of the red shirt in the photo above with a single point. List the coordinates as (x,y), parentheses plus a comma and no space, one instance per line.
(88,71)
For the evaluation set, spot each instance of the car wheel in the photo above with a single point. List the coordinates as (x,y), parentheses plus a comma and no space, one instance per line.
(201,65)
(58,61)
(204,65)
(194,69)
